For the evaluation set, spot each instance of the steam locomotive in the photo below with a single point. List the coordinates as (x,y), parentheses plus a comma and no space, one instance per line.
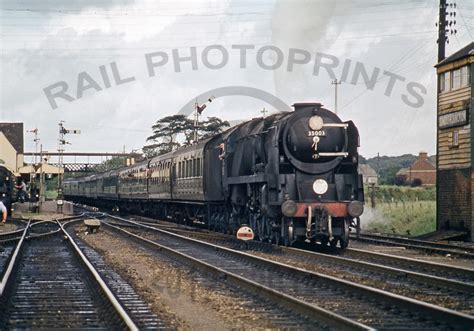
(7,182)
(291,177)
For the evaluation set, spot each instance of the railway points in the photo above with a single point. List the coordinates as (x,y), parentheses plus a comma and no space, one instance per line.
(48,282)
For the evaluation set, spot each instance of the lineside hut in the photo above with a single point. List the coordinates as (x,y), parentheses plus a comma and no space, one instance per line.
(455,176)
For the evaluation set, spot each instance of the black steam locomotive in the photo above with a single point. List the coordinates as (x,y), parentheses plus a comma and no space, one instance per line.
(7,182)
(290,177)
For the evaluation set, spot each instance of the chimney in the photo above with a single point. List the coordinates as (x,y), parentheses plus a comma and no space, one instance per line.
(305,105)
(423,156)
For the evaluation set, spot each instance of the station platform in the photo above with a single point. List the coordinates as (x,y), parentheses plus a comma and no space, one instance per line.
(47,207)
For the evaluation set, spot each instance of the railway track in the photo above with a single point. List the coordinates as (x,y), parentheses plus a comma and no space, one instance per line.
(427,246)
(457,274)
(450,287)
(139,310)
(48,283)
(337,302)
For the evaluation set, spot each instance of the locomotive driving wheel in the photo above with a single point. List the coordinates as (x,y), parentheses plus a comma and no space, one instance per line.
(288,232)
(344,241)
(264,229)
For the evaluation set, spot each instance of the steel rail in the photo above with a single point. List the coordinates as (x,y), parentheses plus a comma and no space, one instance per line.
(291,303)
(417,244)
(397,271)
(416,262)
(11,236)
(417,276)
(13,260)
(438,313)
(44,234)
(419,241)
(111,297)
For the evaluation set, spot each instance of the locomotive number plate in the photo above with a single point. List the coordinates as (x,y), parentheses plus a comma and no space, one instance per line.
(318,133)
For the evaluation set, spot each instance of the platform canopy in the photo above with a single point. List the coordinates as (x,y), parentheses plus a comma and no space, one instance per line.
(47,169)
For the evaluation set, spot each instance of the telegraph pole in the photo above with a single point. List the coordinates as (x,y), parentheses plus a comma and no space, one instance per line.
(196,120)
(61,142)
(35,166)
(36,140)
(41,188)
(446,26)
(441,30)
(198,110)
(264,112)
(335,82)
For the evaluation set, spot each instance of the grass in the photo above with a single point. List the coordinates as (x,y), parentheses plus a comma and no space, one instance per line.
(51,195)
(411,218)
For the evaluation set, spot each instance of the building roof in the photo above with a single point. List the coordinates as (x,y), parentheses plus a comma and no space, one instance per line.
(14,133)
(464,52)
(367,171)
(422,163)
(402,172)
(47,169)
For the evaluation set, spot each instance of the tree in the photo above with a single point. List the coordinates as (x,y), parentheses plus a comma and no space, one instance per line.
(167,132)
(172,132)
(211,127)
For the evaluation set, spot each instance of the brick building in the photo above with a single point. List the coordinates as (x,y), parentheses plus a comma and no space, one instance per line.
(455,147)
(420,172)
(11,145)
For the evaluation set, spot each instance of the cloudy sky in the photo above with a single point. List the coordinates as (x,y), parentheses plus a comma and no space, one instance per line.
(50,41)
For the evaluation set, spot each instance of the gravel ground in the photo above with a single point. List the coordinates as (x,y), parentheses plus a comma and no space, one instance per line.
(392,250)
(184,298)
(7,227)
(42,216)
(386,283)
(360,276)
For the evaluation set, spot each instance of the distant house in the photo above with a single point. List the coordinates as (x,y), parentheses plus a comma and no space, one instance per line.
(401,176)
(369,175)
(420,172)
(11,145)
(12,152)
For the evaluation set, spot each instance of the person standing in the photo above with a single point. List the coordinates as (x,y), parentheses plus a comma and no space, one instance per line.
(22,191)
(4,211)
